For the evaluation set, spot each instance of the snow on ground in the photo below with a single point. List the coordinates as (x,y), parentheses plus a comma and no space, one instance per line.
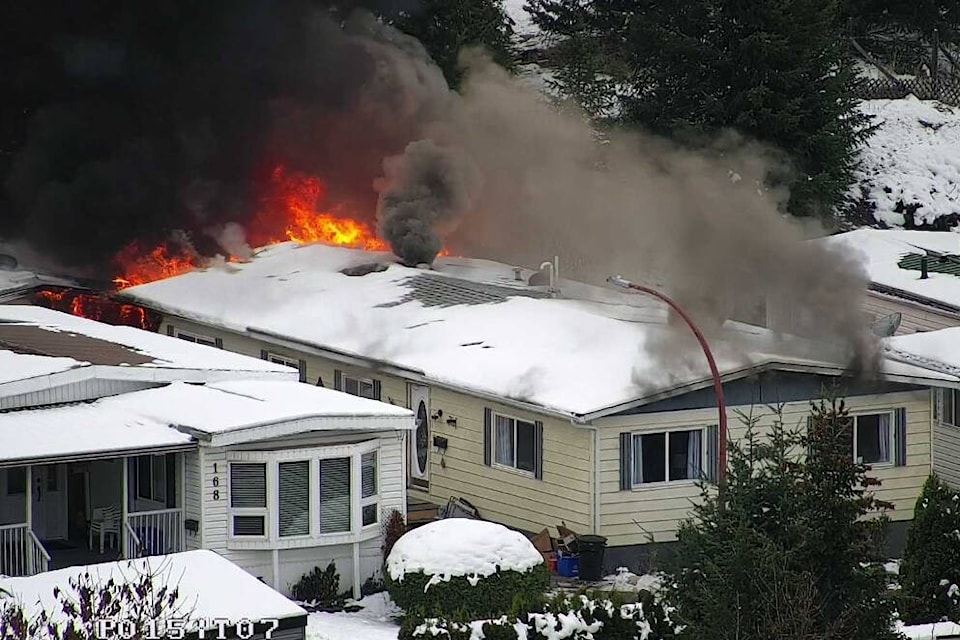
(461,547)
(376,621)
(930,631)
(911,158)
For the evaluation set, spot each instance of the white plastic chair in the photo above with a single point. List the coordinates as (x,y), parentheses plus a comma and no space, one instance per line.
(105,523)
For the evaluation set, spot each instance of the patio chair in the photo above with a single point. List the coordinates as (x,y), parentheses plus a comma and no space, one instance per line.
(105,523)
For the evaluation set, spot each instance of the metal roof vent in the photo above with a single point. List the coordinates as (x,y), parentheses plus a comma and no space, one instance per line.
(548,275)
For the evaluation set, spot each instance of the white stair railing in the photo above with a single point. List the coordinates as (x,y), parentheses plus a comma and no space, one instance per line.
(21,552)
(156,532)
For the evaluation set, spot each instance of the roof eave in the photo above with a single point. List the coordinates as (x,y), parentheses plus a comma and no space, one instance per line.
(280,429)
(104,454)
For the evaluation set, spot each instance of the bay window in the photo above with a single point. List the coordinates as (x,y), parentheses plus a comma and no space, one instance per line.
(303,497)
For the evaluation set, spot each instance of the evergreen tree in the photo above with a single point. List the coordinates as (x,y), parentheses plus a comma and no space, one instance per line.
(446,27)
(930,572)
(786,552)
(775,70)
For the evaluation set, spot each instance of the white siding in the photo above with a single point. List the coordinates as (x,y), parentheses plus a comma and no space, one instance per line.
(626,517)
(915,317)
(946,453)
(74,392)
(193,494)
(293,563)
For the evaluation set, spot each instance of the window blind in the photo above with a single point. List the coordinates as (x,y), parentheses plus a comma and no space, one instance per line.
(294,498)
(368,474)
(248,485)
(334,495)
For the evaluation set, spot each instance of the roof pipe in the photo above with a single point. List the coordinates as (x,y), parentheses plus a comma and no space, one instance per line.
(717,382)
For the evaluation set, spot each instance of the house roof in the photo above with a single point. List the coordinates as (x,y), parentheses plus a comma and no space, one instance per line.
(208,585)
(14,283)
(891,258)
(236,411)
(171,417)
(469,324)
(83,430)
(38,343)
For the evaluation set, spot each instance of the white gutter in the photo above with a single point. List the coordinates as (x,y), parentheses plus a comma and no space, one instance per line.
(295,426)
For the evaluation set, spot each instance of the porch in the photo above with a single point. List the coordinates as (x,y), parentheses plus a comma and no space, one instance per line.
(72,513)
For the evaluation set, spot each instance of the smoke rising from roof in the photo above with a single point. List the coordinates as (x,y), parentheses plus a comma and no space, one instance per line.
(167,120)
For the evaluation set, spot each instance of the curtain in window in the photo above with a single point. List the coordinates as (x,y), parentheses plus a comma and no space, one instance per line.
(504,441)
(637,460)
(294,498)
(883,437)
(334,495)
(694,454)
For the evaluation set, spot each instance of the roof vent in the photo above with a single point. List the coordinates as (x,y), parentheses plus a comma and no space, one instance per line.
(364,269)
(548,275)
(518,274)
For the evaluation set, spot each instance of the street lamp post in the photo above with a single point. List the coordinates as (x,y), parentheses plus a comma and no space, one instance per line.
(717,383)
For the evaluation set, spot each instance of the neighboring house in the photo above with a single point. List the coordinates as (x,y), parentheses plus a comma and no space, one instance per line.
(211,591)
(144,444)
(582,406)
(913,273)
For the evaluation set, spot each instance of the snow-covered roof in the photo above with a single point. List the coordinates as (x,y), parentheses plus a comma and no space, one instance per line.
(82,430)
(36,343)
(461,547)
(169,417)
(14,283)
(938,349)
(881,251)
(209,587)
(234,411)
(468,324)
(910,159)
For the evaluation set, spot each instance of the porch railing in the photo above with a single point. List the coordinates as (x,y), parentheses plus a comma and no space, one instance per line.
(151,533)
(21,553)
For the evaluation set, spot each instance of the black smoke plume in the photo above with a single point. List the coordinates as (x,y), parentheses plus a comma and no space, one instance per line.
(131,120)
(424,192)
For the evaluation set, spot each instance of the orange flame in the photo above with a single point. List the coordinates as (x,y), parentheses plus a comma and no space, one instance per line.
(97,307)
(291,211)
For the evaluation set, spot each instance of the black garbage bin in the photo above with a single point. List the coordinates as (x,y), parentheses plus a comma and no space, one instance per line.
(591,556)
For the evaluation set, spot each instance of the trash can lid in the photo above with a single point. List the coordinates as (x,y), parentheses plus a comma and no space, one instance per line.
(592,539)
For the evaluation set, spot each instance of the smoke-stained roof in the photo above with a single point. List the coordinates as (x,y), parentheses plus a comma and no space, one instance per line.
(587,351)
(891,260)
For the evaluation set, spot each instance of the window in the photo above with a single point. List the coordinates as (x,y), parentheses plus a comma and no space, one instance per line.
(362,387)
(368,489)
(872,438)
(946,406)
(198,339)
(248,498)
(334,495)
(514,443)
(288,362)
(294,498)
(16,480)
(151,477)
(667,456)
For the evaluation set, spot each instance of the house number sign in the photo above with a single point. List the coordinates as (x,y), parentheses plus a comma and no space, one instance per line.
(215,481)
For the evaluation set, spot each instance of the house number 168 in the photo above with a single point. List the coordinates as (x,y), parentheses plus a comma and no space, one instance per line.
(216,483)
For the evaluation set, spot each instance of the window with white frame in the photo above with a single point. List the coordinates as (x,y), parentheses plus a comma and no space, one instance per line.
(514,443)
(362,387)
(248,499)
(947,406)
(307,495)
(151,477)
(197,338)
(667,456)
(873,438)
(369,495)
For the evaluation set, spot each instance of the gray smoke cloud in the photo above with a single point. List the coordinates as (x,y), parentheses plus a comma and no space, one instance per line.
(423,194)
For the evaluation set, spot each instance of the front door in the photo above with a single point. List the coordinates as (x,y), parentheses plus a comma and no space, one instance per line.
(49,502)
(419,449)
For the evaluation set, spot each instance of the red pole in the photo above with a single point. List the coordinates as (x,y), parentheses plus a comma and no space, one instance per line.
(717,383)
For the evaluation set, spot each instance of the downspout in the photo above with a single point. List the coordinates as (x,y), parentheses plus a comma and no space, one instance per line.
(577,423)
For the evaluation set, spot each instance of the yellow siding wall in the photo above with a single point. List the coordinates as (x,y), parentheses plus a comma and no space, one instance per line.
(627,516)
(914,317)
(564,494)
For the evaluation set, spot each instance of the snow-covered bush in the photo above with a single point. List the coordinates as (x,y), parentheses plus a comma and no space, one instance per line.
(930,571)
(464,568)
(566,618)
